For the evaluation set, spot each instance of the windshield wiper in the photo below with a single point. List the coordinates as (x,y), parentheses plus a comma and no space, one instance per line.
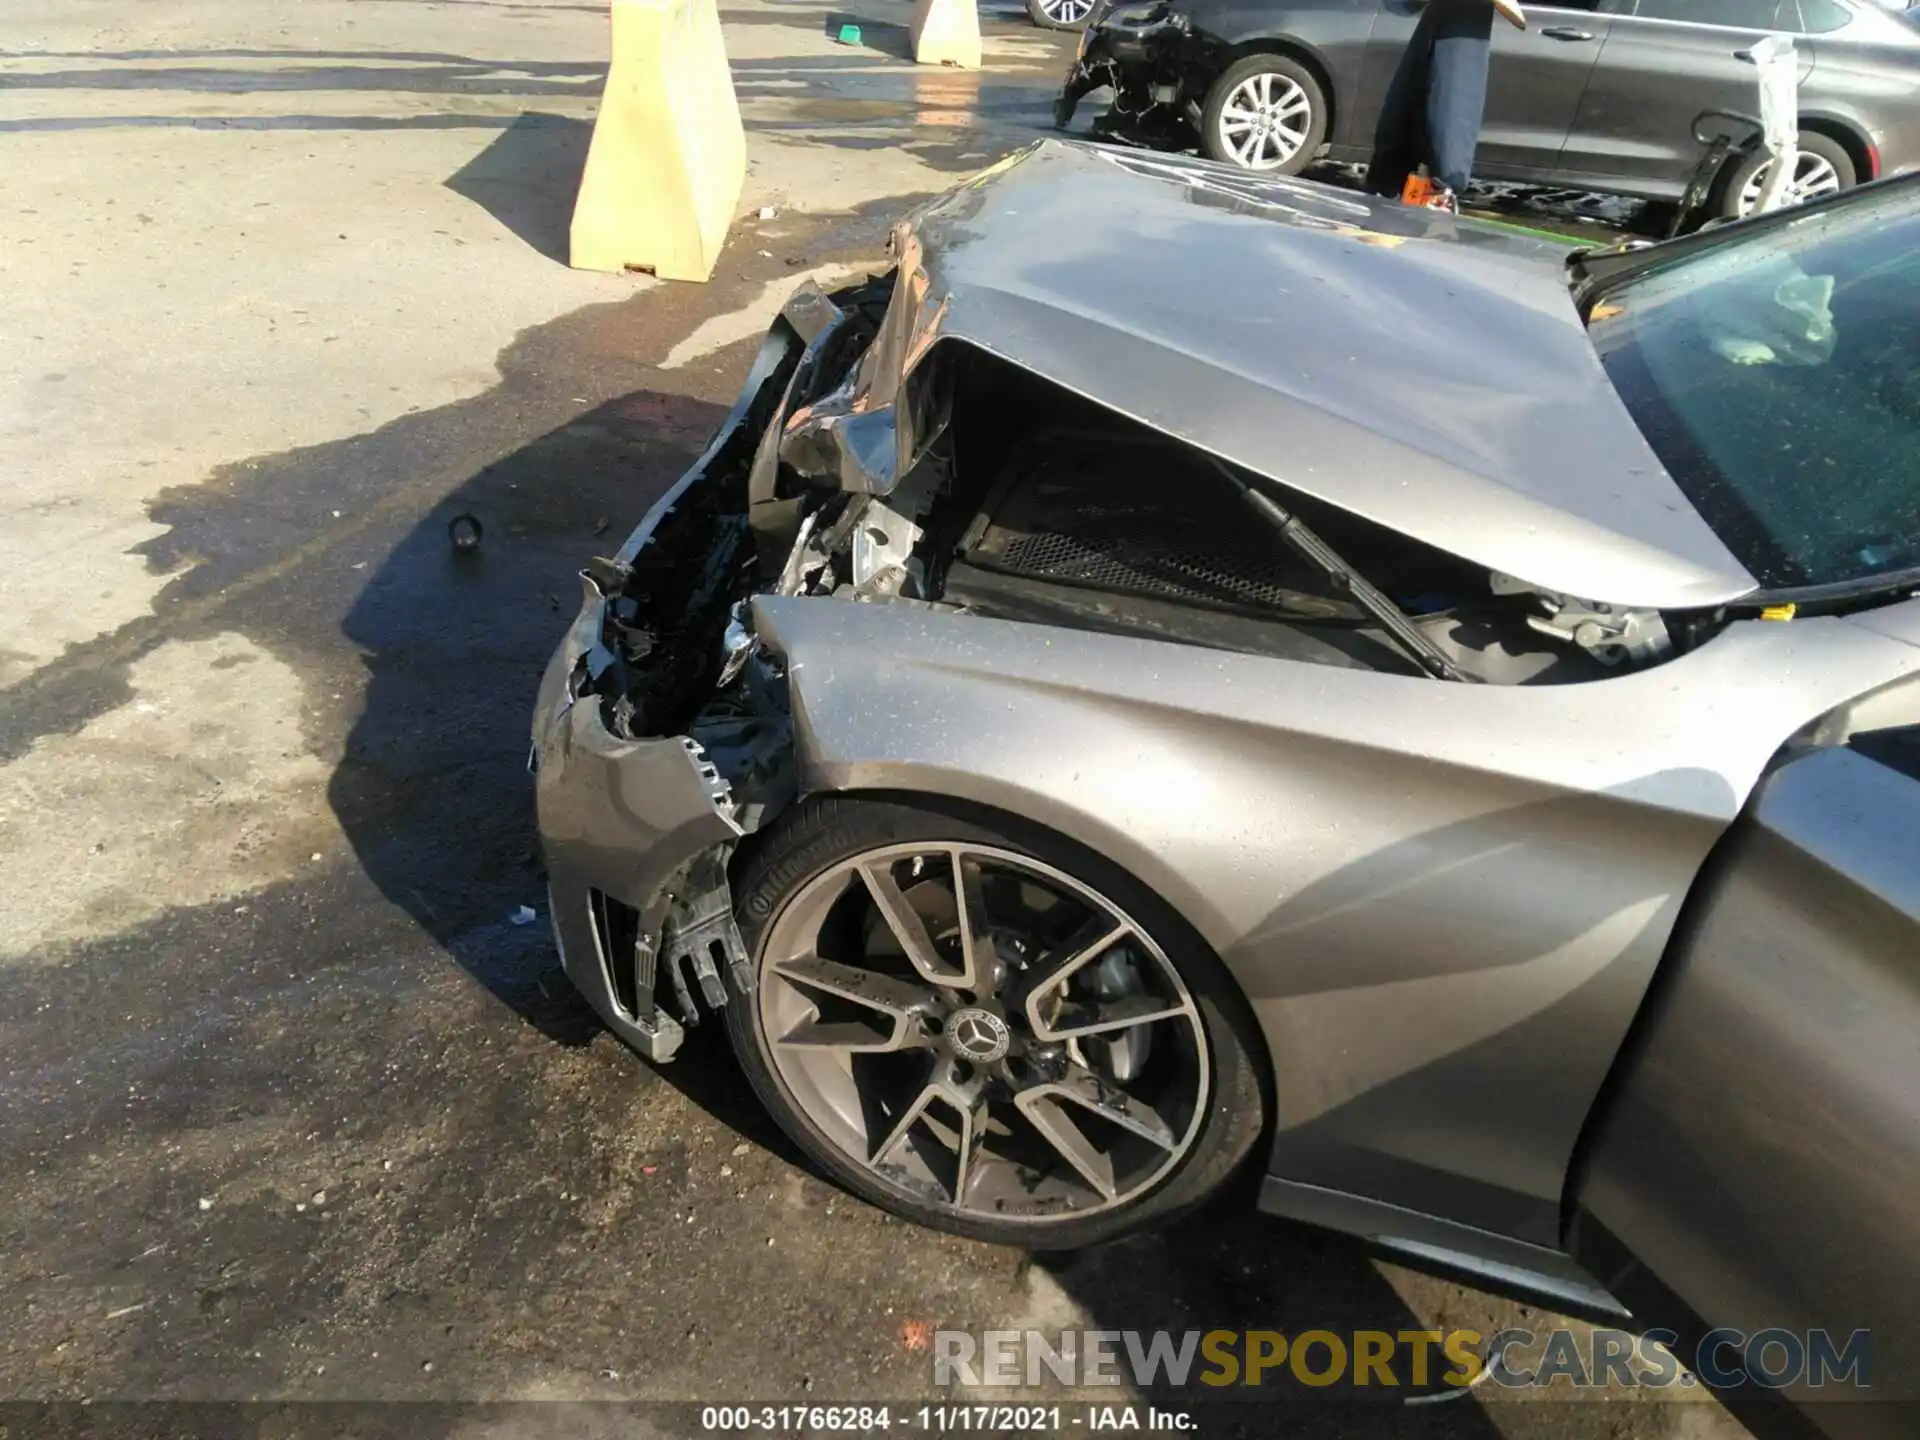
(1894,584)
(1324,558)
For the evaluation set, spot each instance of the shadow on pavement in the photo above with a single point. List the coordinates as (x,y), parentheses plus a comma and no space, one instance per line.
(433,791)
(528,177)
(1226,1267)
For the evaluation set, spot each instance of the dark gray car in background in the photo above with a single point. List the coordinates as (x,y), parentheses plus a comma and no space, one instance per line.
(1599,96)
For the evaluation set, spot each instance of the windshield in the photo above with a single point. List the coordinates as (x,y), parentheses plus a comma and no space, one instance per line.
(1777,377)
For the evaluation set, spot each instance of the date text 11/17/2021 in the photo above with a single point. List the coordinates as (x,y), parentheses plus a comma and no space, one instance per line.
(975,1419)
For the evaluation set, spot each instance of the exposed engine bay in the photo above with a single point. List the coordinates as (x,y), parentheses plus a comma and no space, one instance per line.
(1030,503)
(891,450)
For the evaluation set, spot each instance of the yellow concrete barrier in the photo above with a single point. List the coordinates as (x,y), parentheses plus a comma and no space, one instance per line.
(946,32)
(669,157)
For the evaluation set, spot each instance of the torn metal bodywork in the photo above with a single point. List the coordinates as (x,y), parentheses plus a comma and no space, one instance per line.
(1320,351)
(648,770)
(1076,442)
(1144,53)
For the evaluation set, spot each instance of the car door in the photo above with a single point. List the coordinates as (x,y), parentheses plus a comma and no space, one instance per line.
(1662,64)
(1759,1149)
(1534,82)
(1535,87)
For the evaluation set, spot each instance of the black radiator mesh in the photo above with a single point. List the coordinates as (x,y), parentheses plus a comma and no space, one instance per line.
(1151,520)
(1149,565)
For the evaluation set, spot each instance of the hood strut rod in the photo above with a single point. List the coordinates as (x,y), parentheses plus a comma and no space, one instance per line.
(1346,579)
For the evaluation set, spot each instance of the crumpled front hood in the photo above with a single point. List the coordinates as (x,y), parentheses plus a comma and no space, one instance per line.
(1428,373)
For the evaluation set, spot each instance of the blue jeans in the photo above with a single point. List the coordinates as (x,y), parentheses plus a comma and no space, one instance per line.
(1431,113)
(1456,99)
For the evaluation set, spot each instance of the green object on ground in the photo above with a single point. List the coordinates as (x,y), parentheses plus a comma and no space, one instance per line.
(1558,236)
(849,34)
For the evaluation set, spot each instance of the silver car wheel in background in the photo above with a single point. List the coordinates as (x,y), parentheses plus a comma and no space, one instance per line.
(1813,177)
(1265,121)
(983,1032)
(1066,13)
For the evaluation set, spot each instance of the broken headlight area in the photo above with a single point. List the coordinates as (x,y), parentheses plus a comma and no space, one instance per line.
(663,736)
(672,626)
(1144,52)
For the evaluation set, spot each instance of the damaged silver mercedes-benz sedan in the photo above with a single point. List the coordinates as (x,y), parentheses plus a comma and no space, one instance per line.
(1185,663)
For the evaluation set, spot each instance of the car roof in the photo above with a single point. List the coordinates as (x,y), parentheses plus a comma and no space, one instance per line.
(1424,371)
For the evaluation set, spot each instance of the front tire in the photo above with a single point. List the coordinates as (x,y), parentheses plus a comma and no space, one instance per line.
(1266,113)
(1060,14)
(1821,167)
(978,1027)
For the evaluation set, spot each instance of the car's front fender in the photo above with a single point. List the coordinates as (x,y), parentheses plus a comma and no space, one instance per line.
(1442,901)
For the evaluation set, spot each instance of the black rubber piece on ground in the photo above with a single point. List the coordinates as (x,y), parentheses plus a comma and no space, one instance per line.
(465,531)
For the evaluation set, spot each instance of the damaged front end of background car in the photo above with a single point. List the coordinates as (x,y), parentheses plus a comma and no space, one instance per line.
(1136,439)
(1158,68)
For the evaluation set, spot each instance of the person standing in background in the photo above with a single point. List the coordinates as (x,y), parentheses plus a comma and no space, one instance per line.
(1431,116)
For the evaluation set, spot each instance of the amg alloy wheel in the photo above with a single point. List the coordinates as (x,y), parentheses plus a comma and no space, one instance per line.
(976,1037)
